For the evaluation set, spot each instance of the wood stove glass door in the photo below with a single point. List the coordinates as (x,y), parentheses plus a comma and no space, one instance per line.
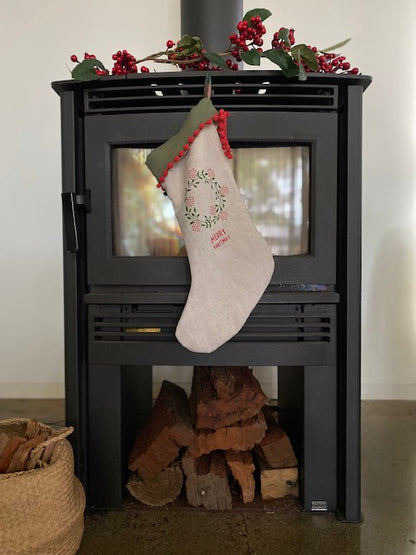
(274,181)
(284,163)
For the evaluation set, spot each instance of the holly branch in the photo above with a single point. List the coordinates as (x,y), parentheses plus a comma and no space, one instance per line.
(246,45)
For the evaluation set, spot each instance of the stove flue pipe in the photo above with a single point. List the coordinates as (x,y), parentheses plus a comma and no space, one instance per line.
(211,20)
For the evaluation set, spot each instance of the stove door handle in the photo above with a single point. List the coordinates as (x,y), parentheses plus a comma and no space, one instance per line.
(71,204)
(70,222)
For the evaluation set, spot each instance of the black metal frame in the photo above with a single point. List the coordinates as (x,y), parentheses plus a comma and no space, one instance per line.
(108,383)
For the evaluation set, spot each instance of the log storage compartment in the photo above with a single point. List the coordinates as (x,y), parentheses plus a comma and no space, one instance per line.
(211,440)
(126,283)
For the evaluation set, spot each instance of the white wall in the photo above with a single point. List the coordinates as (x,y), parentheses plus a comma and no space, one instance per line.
(37,39)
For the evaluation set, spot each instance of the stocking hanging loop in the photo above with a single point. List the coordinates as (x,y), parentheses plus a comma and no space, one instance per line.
(207,86)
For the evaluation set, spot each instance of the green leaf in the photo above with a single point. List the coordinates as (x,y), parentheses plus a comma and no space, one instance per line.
(335,46)
(284,36)
(306,54)
(302,72)
(262,12)
(251,57)
(187,41)
(85,70)
(188,45)
(283,60)
(216,59)
(198,43)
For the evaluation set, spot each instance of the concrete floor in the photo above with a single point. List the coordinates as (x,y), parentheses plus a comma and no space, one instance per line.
(388,504)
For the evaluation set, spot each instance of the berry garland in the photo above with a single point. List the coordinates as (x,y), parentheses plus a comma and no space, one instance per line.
(246,45)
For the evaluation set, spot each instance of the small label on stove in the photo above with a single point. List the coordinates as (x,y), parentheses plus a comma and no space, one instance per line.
(319,506)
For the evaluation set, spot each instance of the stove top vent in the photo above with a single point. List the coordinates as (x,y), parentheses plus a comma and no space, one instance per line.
(230,90)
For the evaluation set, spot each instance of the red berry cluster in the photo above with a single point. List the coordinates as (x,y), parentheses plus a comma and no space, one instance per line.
(194,61)
(278,42)
(332,63)
(250,34)
(231,65)
(124,63)
(327,62)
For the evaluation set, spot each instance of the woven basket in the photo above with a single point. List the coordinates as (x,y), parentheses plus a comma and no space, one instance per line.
(42,510)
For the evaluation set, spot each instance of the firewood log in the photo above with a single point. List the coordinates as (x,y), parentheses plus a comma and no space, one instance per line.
(8,452)
(275,448)
(206,481)
(168,429)
(164,488)
(241,436)
(33,428)
(278,482)
(22,454)
(4,440)
(242,468)
(47,453)
(223,395)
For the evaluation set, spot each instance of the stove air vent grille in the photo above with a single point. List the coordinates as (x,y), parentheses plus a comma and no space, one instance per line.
(236,91)
(277,323)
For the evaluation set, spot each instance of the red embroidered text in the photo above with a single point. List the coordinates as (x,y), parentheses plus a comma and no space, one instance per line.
(219,238)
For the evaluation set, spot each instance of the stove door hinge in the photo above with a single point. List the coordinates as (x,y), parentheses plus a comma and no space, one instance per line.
(72,205)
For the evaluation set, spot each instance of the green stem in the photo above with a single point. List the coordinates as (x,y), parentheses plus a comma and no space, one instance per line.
(176,61)
(152,56)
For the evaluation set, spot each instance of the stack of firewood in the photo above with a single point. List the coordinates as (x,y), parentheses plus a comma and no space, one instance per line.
(26,444)
(225,430)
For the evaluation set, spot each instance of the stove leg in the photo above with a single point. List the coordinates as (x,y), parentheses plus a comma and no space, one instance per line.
(308,413)
(119,402)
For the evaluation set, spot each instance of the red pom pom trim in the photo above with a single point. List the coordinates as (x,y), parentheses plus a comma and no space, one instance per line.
(221,120)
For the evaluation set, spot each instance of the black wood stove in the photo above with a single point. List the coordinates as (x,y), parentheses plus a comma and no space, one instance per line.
(125,286)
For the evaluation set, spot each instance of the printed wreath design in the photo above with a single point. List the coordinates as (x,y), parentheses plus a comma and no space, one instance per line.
(216,211)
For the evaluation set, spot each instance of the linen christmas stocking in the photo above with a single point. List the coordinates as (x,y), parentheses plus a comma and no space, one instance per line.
(231,263)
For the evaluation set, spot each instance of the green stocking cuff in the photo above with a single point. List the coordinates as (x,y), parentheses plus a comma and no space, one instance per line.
(166,155)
